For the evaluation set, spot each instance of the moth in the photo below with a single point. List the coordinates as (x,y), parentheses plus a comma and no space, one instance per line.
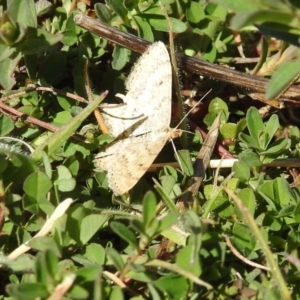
(140,126)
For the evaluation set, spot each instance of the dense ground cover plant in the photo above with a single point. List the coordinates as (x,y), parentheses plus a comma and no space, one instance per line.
(238,239)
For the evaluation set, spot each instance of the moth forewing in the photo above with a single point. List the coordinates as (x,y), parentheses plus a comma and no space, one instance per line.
(149,94)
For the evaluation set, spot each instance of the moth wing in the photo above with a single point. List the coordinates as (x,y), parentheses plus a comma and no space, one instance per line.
(149,86)
(127,161)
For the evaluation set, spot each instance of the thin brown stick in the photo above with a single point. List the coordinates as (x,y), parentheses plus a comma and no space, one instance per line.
(242,258)
(60,92)
(13,113)
(201,163)
(197,66)
(5,108)
(30,119)
(44,89)
(97,113)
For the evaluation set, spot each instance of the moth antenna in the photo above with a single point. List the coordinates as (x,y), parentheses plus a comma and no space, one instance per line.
(177,156)
(192,109)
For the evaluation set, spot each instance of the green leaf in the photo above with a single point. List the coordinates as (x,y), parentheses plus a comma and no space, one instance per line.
(296,212)
(64,102)
(195,239)
(120,57)
(46,206)
(7,68)
(263,140)
(241,171)
(153,292)
(241,5)
(41,269)
(255,124)
(281,31)
(37,185)
(229,131)
(185,162)
(261,17)
(62,118)
(43,243)
(27,291)
(43,7)
(289,210)
(149,209)
(278,147)
(210,53)
(116,293)
(271,222)
(195,12)
(72,164)
(95,253)
(116,259)
(10,32)
(283,193)
(167,222)
(30,204)
(47,165)
(165,197)
(90,225)
(70,35)
(159,23)
(51,262)
(249,141)
(79,292)
(144,29)
(31,111)
(251,159)
(271,127)
(217,17)
(295,133)
(64,182)
(187,260)
(37,40)
(23,12)
(216,105)
(282,78)
(5,52)
(89,273)
(242,236)
(176,287)
(20,168)
(102,12)
(248,198)
(170,185)
(139,227)
(125,233)
(266,190)
(217,202)
(60,136)
(21,264)
(6,125)
(118,7)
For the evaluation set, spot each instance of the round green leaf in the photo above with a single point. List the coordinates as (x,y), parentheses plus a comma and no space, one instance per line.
(6,125)
(37,185)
